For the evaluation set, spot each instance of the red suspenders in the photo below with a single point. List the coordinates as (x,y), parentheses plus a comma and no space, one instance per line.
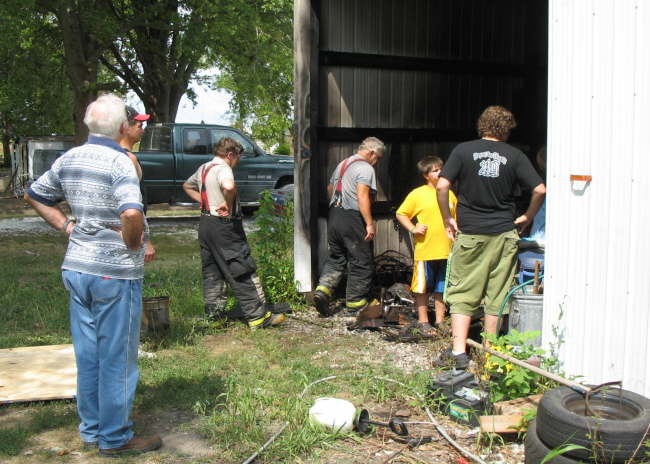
(337,199)
(205,205)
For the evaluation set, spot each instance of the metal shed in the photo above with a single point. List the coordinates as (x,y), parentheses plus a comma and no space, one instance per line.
(597,282)
(417,74)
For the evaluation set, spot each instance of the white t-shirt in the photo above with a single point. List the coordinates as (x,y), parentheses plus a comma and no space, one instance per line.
(216,176)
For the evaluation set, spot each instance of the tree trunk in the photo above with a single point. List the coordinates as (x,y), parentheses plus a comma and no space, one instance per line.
(82,53)
(5,150)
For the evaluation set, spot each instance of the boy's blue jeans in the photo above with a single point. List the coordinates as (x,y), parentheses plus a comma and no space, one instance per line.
(105,326)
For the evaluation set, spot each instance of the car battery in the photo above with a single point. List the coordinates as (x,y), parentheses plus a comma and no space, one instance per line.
(460,396)
(468,403)
(444,385)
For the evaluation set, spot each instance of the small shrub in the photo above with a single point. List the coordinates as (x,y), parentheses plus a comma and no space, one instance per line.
(283,149)
(272,245)
(506,380)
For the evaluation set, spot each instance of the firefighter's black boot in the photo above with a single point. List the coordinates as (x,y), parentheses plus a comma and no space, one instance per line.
(321,297)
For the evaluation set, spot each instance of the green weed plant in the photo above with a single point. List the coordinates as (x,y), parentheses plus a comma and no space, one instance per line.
(272,246)
(508,381)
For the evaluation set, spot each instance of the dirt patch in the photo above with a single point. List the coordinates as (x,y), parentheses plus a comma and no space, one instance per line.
(178,429)
(225,343)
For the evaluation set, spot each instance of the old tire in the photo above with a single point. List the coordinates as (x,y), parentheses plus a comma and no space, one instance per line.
(614,439)
(536,450)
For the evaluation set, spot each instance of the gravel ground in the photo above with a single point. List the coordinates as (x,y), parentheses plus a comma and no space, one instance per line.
(372,347)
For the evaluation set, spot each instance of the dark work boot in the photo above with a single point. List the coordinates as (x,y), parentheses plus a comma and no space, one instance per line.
(268,320)
(135,445)
(447,359)
(321,297)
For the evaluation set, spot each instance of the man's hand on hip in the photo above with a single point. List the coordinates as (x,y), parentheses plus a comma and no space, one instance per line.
(370,232)
(522,222)
(223,209)
(451,228)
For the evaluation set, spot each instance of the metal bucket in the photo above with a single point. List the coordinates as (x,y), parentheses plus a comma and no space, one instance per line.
(526,314)
(155,315)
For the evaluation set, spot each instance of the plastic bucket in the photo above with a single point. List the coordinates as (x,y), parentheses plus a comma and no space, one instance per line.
(333,413)
(526,314)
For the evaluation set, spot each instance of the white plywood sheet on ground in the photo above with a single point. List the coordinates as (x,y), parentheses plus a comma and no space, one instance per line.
(37,373)
(597,300)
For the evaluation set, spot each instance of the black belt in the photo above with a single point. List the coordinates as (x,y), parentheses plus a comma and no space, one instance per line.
(224,219)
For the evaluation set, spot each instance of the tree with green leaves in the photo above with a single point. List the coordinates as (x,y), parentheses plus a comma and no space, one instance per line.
(157,47)
(161,45)
(257,69)
(35,96)
(85,29)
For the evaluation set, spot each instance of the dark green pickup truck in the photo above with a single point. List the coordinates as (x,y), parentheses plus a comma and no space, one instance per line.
(171,153)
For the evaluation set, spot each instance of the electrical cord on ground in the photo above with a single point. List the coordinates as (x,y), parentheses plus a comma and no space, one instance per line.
(437,426)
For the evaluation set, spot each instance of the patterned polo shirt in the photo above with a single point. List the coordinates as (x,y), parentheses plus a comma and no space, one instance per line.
(99,182)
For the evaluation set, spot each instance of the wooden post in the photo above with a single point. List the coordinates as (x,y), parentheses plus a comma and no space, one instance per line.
(305,52)
(536,286)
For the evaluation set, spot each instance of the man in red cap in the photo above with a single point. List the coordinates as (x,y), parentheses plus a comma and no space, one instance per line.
(130,137)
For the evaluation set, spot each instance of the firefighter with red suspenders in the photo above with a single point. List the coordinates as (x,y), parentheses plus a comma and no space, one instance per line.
(225,254)
(350,229)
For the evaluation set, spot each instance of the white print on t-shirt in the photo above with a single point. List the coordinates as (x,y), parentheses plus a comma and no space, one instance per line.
(490,162)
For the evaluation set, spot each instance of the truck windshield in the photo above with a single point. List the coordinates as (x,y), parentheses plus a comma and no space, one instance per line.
(157,138)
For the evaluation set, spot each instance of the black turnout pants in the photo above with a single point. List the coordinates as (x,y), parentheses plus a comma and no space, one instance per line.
(347,249)
(226,258)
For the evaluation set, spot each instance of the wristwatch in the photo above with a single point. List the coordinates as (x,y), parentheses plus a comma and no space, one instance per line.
(67,222)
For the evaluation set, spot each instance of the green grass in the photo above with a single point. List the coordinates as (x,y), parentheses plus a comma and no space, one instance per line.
(41,417)
(237,386)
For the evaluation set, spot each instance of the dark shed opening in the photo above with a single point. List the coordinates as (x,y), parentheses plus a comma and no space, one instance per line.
(416,74)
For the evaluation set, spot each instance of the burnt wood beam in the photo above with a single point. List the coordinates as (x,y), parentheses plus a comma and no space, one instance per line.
(415,63)
(355,134)
(396,135)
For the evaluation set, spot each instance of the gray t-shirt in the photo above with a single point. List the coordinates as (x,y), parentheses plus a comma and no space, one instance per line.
(359,172)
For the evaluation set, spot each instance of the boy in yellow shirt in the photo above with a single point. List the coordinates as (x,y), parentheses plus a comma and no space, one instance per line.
(432,245)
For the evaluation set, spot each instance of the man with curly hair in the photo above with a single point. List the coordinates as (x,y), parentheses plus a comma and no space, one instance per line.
(483,260)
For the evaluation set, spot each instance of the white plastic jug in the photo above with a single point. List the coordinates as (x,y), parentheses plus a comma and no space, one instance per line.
(333,413)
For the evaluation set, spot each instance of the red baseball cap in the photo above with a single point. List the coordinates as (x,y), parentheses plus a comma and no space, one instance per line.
(133,115)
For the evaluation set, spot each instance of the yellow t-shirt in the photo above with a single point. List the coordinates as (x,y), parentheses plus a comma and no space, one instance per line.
(422,203)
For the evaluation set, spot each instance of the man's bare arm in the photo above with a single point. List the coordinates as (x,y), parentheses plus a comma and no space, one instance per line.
(363,196)
(132,228)
(191,192)
(51,214)
(536,200)
(229,190)
(442,194)
(330,192)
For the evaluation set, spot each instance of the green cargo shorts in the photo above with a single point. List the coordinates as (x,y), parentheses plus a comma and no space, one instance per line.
(480,269)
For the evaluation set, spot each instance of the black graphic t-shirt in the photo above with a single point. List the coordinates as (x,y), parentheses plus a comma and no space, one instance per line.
(487,173)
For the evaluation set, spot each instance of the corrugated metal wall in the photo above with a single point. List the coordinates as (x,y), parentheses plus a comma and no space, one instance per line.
(417,74)
(597,280)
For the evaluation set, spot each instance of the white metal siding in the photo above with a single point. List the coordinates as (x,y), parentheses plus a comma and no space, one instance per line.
(598,249)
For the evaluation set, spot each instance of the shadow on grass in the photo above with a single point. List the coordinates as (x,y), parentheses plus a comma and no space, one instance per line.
(45,416)
(195,391)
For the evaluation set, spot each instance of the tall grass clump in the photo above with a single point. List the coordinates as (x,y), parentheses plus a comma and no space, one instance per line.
(272,246)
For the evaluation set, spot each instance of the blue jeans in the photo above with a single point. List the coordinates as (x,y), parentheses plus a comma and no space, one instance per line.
(105,326)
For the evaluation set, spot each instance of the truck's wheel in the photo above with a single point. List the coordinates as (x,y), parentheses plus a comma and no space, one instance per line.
(283,182)
(536,450)
(561,419)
